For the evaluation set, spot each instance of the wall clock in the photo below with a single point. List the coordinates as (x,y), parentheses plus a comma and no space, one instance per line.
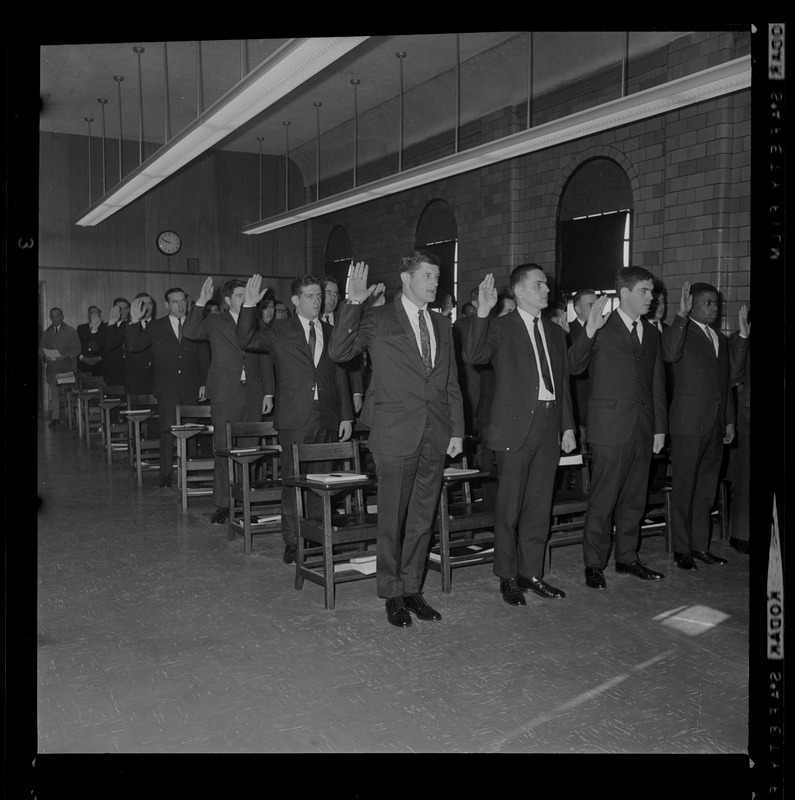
(169,242)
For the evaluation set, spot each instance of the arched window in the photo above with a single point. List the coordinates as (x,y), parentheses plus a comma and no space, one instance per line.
(437,232)
(594,225)
(339,254)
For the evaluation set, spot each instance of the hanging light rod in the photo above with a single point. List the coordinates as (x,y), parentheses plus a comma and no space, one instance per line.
(713,82)
(291,65)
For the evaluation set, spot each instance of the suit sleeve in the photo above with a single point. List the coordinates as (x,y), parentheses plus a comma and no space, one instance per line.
(580,352)
(248,335)
(567,417)
(114,336)
(481,342)
(355,375)
(738,355)
(344,392)
(196,325)
(204,361)
(455,401)
(137,338)
(659,396)
(268,376)
(353,332)
(673,339)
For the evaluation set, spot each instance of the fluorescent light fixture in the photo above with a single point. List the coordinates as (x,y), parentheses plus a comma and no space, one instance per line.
(713,82)
(291,65)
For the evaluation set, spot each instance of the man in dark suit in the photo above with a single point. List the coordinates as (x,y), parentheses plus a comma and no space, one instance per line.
(64,345)
(312,402)
(237,382)
(414,411)
(580,384)
(530,414)
(179,367)
(92,343)
(138,374)
(355,368)
(701,420)
(114,342)
(627,421)
(740,358)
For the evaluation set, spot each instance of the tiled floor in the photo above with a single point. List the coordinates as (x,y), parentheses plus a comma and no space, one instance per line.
(158,635)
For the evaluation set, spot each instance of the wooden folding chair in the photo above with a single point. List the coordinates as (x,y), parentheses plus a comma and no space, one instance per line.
(195,472)
(143,444)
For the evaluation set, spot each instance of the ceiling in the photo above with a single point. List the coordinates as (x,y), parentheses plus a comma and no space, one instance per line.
(493,75)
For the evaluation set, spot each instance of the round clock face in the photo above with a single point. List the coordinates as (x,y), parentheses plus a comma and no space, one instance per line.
(169,242)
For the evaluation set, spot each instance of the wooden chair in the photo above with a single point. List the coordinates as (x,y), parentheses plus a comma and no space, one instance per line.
(194,472)
(254,503)
(143,444)
(323,543)
(464,526)
(89,414)
(112,400)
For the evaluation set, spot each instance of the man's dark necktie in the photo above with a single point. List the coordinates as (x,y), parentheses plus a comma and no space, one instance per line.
(312,340)
(425,343)
(709,336)
(542,357)
(179,329)
(635,338)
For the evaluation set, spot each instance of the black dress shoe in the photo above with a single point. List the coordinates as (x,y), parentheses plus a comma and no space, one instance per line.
(708,558)
(639,570)
(220,516)
(418,605)
(290,554)
(54,423)
(396,612)
(511,592)
(594,578)
(740,545)
(540,587)
(165,482)
(684,561)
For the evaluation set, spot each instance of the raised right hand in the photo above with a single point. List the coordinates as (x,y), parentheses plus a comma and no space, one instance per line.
(487,295)
(253,292)
(137,310)
(685,301)
(745,325)
(596,316)
(357,283)
(206,292)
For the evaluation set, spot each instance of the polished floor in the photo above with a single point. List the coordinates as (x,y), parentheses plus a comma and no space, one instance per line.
(158,635)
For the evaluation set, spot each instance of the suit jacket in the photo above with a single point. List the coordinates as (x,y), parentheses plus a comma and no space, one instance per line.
(740,360)
(702,388)
(227,357)
(92,345)
(580,384)
(400,398)
(626,390)
(355,367)
(505,342)
(179,369)
(66,342)
(296,374)
(115,355)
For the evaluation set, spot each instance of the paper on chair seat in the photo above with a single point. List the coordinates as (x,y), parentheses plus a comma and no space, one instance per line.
(335,477)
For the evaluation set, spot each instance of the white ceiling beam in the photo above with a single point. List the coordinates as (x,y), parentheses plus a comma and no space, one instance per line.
(295,62)
(723,79)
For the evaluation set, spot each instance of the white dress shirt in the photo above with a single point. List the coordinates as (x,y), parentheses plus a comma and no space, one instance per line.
(527,318)
(713,337)
(412,311)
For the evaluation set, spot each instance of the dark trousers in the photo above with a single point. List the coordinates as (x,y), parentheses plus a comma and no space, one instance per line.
(313,432)
(619,490)
(167,414)
(240,408)
(524,498)
(695,471)
(741,477)
(408,492)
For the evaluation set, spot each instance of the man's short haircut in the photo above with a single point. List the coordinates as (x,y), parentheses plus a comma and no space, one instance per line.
(143,294)
(230,286)
(298,285)
(174,289)
(519,273)
(96,308)
(329,279)
(627,277)
(697,289)
(412,263)
(121,300)
(55,308)
(582,293)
